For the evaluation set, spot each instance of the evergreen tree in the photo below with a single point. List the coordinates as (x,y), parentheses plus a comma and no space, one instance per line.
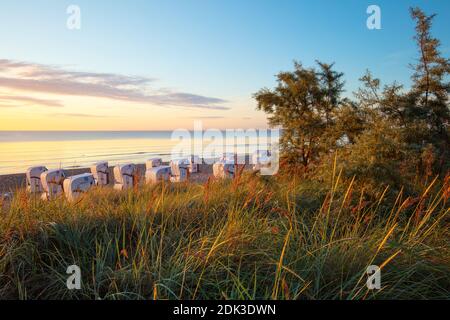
(389,134)
(431,86)
(304,104)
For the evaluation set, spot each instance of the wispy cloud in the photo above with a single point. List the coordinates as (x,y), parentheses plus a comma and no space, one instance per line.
(205,117)
(40,78)
(79,115)
(21,101)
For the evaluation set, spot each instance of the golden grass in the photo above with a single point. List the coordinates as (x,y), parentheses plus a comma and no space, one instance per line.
(252,238)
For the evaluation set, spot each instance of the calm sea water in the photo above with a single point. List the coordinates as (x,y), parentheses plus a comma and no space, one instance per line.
(68,149)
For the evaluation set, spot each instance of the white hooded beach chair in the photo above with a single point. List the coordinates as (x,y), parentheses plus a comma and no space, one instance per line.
(179,170)
(52,183)
(261,159)
(76,185)
(224,169)
(194,165)
(100,171)
(124,176)
(33,174)
(226,166)
(152,163)
(157,174)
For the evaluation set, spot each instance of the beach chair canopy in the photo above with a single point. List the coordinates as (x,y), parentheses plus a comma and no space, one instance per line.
(124,172)
(100,171)
(154,175)
(224,169)
(124,176)
(179,169)
(194,165)
(52,183)
(76,185)
(33,177)
(153,162)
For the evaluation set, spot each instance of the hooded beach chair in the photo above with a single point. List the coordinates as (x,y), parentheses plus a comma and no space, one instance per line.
(52,183)
(34,184)
(224,169)
(152,163)
(179,170)
(226,166)
(157,174)
(76,185)
(124,176)
(194,165)
(100,171)
(261,159)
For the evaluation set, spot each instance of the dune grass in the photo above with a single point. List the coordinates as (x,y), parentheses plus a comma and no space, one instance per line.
(251,238)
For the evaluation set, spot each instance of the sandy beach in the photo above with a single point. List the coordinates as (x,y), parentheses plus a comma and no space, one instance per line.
(12,182)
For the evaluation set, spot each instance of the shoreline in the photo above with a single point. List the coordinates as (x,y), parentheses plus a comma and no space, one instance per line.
(13,182)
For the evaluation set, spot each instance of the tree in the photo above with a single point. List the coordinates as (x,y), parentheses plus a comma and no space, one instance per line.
(420,116)
(379,151)
(304,104)
(430,88)
(432,68)
(389,133)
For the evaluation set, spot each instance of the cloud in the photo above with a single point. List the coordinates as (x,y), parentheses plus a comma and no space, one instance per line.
(205,117)
(53,80)
(79,115)
(21,101)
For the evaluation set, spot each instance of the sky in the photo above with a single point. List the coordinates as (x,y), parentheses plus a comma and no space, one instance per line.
(160,65)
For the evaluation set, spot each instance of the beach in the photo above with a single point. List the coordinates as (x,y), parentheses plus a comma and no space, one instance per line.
(13,182)
(76,151)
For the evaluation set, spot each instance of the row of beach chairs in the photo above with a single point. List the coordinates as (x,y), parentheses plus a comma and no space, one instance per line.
(51,184)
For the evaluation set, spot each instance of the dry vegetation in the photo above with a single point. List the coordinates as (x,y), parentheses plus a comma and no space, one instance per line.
(254,237)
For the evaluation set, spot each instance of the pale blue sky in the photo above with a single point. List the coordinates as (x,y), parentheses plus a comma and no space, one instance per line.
(222,49)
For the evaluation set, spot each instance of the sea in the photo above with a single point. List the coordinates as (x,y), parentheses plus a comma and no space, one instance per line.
(20,150)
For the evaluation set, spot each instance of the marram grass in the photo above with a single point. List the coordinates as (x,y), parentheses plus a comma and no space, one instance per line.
(252,238)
